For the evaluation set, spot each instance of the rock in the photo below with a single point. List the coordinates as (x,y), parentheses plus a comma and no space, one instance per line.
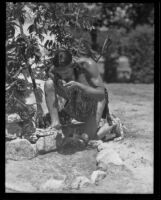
(19,187)
(52,184)
(97,176)
(13,118)
(79,182)
(13,129)
(28,129)
(46,144)
(73,142)
(85,137)
(19,149)
(34,147)
(107,156)
(8,136)
(102,166)
(105,145)
(105,130)
(95,143)
(119,127)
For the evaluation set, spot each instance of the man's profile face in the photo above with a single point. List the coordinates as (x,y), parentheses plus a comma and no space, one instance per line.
(64,68)
(66,72)
(62,57)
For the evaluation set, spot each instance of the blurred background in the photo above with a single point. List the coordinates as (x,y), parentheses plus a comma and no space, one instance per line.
(130,58)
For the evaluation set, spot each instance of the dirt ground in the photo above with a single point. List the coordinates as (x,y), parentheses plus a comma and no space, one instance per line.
(133,104)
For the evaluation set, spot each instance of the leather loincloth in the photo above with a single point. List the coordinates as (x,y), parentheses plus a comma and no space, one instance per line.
(78,105)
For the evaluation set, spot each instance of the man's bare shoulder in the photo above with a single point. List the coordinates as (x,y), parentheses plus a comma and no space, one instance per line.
(89,65)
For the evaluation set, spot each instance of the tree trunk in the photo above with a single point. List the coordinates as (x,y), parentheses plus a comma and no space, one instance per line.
(94,39)
(38,100)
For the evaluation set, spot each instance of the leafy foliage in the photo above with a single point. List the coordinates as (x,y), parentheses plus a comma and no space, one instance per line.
(59,19)
(139,47)
(119,15)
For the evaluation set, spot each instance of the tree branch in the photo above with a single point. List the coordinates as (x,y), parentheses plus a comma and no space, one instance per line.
(11,85)
(14,82)
(17,73)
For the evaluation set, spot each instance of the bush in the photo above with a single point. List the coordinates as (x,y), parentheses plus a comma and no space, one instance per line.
(139,47)
(113,53)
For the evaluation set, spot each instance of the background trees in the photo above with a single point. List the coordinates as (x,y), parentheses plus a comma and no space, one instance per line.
(127,24)
(131,28)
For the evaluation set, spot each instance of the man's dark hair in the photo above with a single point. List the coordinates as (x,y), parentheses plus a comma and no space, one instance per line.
(62,57)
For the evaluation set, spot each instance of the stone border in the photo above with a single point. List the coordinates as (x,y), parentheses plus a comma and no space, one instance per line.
(105,156)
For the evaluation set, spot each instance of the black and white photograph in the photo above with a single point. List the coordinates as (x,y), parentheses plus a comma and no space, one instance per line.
(79,97)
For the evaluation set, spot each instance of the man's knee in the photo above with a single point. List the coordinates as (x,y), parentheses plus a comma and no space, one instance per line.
(49,85)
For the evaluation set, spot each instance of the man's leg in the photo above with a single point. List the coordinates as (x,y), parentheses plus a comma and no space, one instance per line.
(103,110)
(106,112)
(51,102)
(106,132)
(91,127)
(100,109)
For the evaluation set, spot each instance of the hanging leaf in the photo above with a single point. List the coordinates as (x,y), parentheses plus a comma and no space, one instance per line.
(41,37)
(10,31)
(46,44)
(50,43)
(38,53)
(37,59)
(21,19)
(31,28)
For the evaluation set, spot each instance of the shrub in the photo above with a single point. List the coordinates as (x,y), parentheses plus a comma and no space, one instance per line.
(113,53)
(139,47)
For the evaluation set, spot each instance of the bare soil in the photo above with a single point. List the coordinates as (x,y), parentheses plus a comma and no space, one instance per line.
(133,104)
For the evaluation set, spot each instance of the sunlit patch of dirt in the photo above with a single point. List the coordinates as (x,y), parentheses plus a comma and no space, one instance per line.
(133,104)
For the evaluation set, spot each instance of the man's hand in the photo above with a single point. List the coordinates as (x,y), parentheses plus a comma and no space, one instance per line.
(72,84)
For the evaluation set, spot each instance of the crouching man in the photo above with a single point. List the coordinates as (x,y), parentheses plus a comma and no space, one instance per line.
(86,98)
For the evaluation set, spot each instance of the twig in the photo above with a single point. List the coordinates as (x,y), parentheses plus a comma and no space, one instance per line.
(11,85)
(17,73)
(23,104)
(14,82)
(106,42)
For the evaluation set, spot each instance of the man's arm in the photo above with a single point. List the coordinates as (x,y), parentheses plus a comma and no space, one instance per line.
(97,91)
(96,88)
(50,72)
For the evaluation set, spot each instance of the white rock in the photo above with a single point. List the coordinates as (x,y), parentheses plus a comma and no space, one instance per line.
(79,182)
(12,125)
(46,144)
(107,156)
(19,149)
(102,166)
(40,145)
(19,186)
(95,143)
(105,145)
(13,118)
(97,176)
(52,184)
(85,137)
